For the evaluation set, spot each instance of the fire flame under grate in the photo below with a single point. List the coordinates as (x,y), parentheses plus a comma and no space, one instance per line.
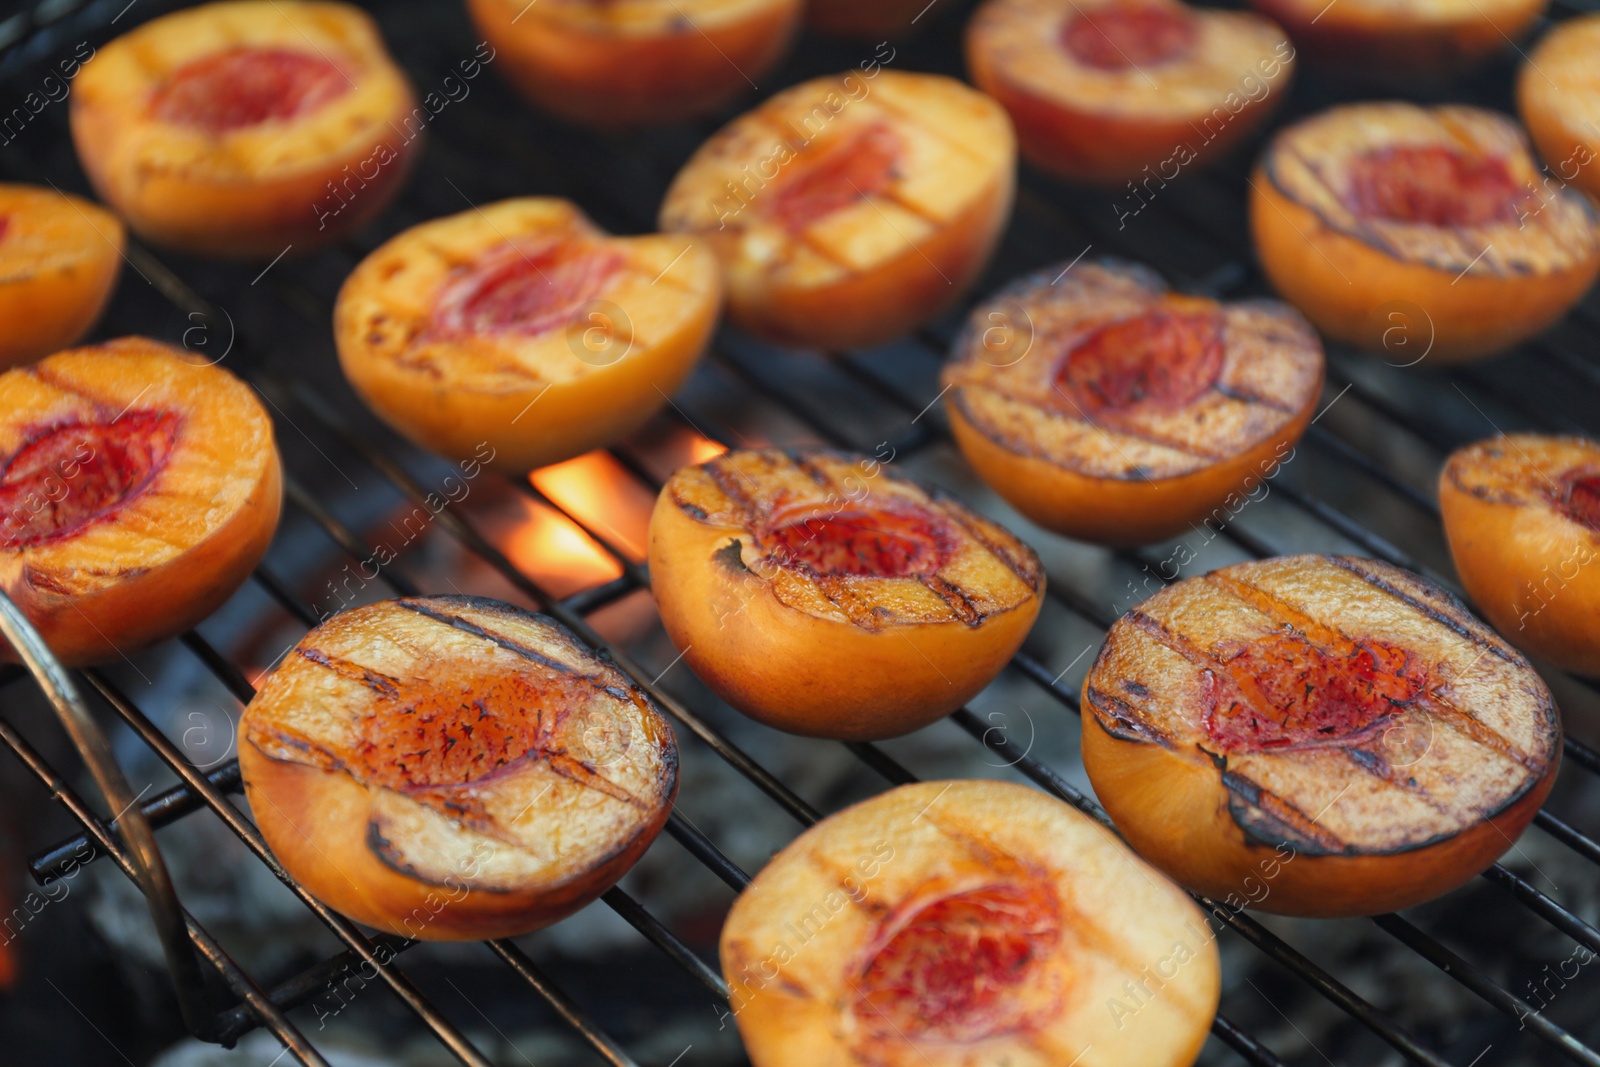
(1362,485)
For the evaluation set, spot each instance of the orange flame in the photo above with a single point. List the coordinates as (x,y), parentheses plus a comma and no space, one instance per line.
(600,493)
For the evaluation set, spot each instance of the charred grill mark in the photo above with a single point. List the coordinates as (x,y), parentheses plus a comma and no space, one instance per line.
(1474,730)
(373,680)
(1270,819)
(46,376)
(467,626)
(1459,621)
(1027,568)
(1373,763)
(954,597)
(1256,399)
(802,460)
(719,472)
(584,775)
(1123,721)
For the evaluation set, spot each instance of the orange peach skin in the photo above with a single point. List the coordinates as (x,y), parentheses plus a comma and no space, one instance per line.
(1139,782)
(1503,551)
(1386,45)
(1115,511)
(619,78)
(52,308)
(235,218)
(147,605)
(371,892)
(794,671)
(1552,87)
(1341,284)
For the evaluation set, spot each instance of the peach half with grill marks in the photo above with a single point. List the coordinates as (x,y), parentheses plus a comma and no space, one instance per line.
(1107,408)
(1423,232)
(850,209)
(1402,42)
(1110,90)
(1558,97)
(138,488)
(59,260)
(453,768)
(236,129)
(1522,516)
(952,924)
(633,61)
(826,595)
(523,325)
(1316,735)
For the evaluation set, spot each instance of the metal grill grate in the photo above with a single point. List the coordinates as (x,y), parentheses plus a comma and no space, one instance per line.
(1362,485)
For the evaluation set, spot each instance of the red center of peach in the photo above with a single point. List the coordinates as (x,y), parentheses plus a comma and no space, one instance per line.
(242,87)
(1433,185)
(525,291)
(5,225)
(1159,361)
(1289,693)
(67,476)
(1579,498)
(859,166)
(424,738)
(1129,35)
(950,972)
(877,544)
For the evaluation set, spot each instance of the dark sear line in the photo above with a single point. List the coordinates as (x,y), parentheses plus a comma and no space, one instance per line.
(374,680)
(1126,723)
(1239,395)
(467,626)
(954,597)
(1030,576)
(1460,623)
(1262,814)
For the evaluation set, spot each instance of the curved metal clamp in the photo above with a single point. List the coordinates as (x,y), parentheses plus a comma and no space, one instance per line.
(150,870)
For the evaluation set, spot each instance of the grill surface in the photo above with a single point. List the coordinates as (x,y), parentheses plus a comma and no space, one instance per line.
(1360,482)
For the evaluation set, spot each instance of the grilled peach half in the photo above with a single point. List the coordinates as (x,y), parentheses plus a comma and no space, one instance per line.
(453,768)
(1316,735)
(524,326)
(1558,97)
(1113,90)
(849,209)
(825,595)
(943,924)
(1522,515)
(1402,42)
(138,488)
(1389,223)
(1107,408)
(59,260)
(237,129)
(637,60)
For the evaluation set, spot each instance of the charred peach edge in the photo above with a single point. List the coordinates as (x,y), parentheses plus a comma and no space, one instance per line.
(1111,510)
(53,309)
(1507,554)
(1570,148)
(1109,147)
(146,605)
(611,78)
(883,303)
(596,409)
(1391,44)
(1172,805)
(787,1020)
(807,675)
(372,892)
(246,219)
(1153,795)
(290,802)
(1342,282)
